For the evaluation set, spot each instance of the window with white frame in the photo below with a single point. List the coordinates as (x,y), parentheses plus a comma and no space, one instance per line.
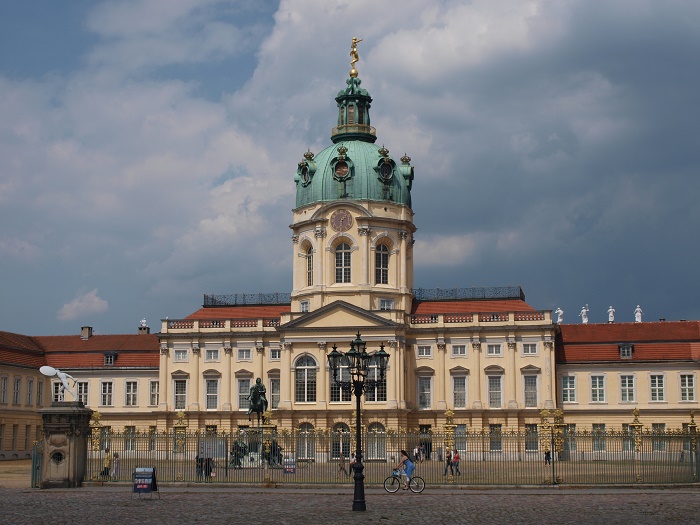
(425,392)
(131,394)
(212,391)
(274,393)
(425,350)
(180,394)
(180,354)
(275,353)
(376,388)
(30,391)
(106,389)
(627,389)
(382,264)
(304,306)
(568,389)
(211,354)
(658,443)
(154,393)
(531,438)
(83,392)
(495,391)
(342,263)
(3,389)
(626,350)
(598,437)
(493,349)
(687,387)
(656,382)
(309,267)
(243,393)
(530,384)
(109,359)
(459,350)
(305,380)
(338,394)
(529,348)
(386,304)
(56,390)
(16,390)
(597,389)
(459,391)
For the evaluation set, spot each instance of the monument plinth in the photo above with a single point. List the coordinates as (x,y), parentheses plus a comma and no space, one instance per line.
(66,430)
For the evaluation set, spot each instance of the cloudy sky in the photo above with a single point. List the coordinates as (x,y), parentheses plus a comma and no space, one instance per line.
(148,148)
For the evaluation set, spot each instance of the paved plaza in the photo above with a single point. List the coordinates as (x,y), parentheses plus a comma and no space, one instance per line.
(114,504)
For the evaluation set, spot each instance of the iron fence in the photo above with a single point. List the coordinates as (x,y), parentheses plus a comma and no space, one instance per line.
(487,458)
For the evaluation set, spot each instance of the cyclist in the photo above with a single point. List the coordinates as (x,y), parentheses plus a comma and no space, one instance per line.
(408,466)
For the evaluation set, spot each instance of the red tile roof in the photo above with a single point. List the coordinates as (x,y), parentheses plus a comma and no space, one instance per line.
(657,341)
(71,351)
(20,350)
(471,306)
(241,312)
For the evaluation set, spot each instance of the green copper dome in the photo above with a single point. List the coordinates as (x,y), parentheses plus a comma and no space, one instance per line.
(353,168)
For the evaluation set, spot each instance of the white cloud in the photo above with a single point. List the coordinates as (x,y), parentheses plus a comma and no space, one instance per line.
(83,305)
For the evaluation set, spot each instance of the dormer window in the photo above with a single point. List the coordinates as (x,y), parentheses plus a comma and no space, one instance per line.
(626,350)
(110,358)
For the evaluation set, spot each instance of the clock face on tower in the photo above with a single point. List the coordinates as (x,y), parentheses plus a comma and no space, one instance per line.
(341,220)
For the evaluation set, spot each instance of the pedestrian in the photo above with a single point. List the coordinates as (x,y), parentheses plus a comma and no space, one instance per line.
(107,463)
(416,453)
(547,457)
(455,461)
(341,466)
(115,465)
(352,464)
(422,452)
(448,464)
(199,466)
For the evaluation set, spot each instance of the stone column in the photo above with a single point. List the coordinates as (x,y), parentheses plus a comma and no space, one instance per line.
(194,394)
(226,380)
(392,377)
(66,428)
(478,372)
(286,376)
(323,378)
(511,387)
(442,379)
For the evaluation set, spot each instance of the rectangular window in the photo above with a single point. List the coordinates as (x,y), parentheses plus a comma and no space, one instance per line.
(275,354)
(493,349)
(180,392)
(459,350)
(570,437)
(131,394)
(212,354)
(130,438)
(495,438)
(597,389)
(154,393)
(531,440)
(16,390)
(687,387)
(494,391)
(304,306)
(658,443)
(386,304)
(3,389)
(212,388)
(180,354)
(627,389)
(83,392)
(382,264)
(598,437)
(244,354)
(342,263)
(626,351)
(459,391)
(309,268)
(529,348)
(152,440)
(274,393)
(27,433)
(568,389)
(30,391)
(376,391)
(305,381)
(530,391)
(40,394)
(338,394)
(424,393)
(627,438)
(56,392)
(109,359)
(243,393)
(425,351)
(106,396)
(657,388)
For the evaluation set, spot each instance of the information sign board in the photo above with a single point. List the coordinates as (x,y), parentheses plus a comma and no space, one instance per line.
(145,480)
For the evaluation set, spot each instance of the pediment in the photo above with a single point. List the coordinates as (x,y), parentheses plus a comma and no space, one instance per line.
(337,314)
(532,369)
(458,370)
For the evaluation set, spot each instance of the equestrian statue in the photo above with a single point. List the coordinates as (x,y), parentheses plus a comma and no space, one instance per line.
(257,399)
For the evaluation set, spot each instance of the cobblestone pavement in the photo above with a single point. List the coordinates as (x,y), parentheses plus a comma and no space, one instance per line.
(214,505)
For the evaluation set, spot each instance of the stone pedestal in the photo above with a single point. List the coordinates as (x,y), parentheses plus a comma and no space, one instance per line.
(66,429)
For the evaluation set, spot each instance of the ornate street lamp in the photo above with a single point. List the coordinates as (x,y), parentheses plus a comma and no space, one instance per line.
(358,363)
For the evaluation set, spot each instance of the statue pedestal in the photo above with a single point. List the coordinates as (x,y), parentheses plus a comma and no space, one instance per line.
(66,429)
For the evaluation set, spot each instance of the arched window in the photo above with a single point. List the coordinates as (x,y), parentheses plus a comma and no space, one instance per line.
(377,390)
(342,263)
(376,441)
(309,267)
(305,441)
(305,380)
(340,441)
(382,264)
(338,394)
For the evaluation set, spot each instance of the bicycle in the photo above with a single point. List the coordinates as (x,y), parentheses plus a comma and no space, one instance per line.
(394,482)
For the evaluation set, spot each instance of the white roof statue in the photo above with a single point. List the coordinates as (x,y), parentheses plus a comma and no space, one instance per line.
(63,377)
(560,315)
(143,322)
(584,314)
(611,315)
(638,314)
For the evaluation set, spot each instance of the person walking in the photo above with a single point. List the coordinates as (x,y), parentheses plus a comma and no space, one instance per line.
(341,466)
(455,461)
(547,457)
(107,463)
(448,464)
